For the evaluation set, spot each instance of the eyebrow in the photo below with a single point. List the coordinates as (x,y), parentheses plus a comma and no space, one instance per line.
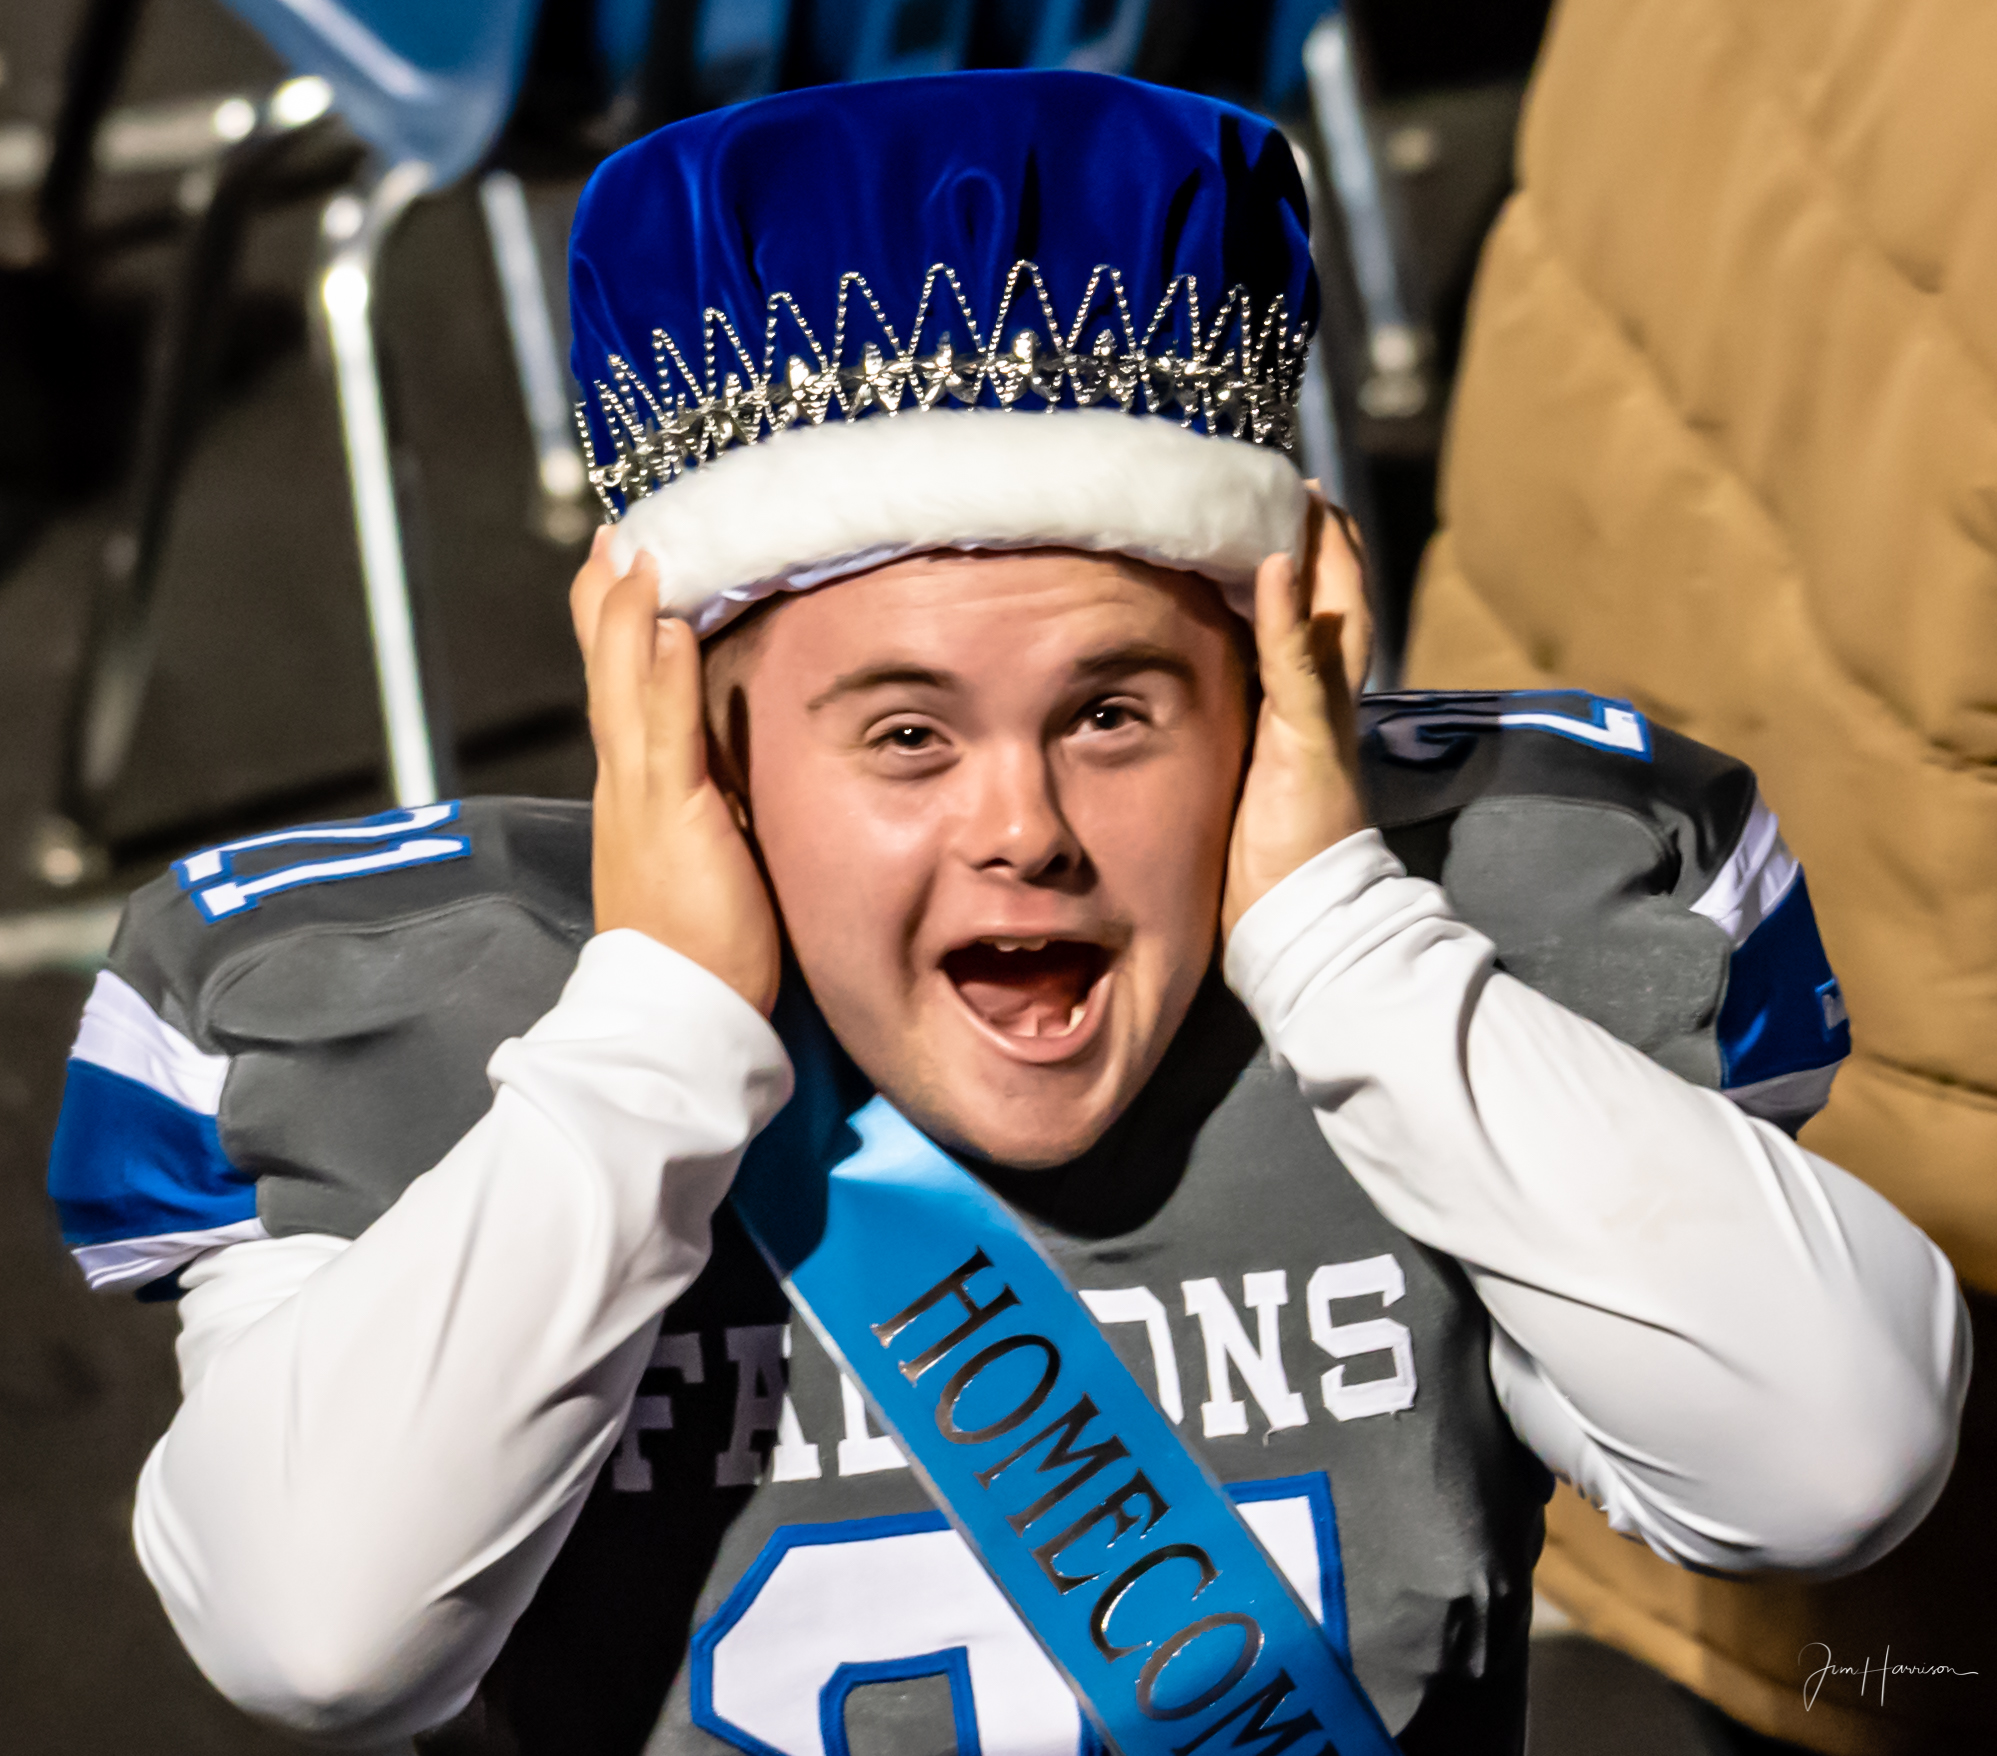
(881,677)
(1116,661)
(1137,655)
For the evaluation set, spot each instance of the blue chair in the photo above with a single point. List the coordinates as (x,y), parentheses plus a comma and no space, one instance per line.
(1374,354)
(889,39)
(426,85)
(1399,348)
(738,49)
(427,82)
(665,59)
(1098,36)
(1290,23)
(103,711)
(622,33)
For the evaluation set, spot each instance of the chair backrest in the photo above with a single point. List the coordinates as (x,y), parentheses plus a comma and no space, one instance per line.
(738,49)
(1290,23)
(1100,36)
(725,50)
(889,39)
(622,31)
(429,80)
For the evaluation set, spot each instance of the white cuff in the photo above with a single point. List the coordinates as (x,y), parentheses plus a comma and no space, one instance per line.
(1315,902)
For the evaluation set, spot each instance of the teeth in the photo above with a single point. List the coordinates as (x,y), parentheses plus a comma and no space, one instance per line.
(1018,944)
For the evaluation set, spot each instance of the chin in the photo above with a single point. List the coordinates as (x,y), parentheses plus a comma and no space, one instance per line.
(1019,1133)
(986,1104)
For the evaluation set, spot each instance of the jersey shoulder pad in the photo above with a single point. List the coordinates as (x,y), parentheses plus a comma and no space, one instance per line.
(294,1025)
(1428,755)
(1633,874)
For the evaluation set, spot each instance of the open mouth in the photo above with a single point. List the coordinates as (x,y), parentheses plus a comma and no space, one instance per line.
(1031,990)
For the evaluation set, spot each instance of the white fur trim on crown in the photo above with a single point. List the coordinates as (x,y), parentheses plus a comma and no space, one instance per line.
(815,504)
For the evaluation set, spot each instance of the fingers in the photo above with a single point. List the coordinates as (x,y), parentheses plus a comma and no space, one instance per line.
(1313,629)
(1338,585)
(1291,683)
(644,687)
(591,586)
(617,659)
(675,731)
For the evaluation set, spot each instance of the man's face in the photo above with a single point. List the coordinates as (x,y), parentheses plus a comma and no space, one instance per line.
(994,796)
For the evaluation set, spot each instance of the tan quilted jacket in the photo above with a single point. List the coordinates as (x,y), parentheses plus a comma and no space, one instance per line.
(1725,443)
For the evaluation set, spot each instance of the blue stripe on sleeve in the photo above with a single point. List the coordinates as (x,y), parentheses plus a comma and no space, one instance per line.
(130,1163)
(1783,1011)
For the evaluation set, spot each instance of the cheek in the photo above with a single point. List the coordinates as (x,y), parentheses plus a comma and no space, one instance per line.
(1158,835)
(850,876)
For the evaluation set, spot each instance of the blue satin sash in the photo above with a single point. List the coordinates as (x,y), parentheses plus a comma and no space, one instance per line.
(1118,1549)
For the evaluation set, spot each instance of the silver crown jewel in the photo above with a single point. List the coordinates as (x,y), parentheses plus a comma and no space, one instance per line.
(1238,377)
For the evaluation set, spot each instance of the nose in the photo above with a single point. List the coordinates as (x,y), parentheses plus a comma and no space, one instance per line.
(1016,825)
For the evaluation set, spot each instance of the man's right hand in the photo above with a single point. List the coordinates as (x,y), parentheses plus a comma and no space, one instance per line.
(669,858)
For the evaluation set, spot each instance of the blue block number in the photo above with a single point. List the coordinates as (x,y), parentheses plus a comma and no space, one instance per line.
(392,840)
(1419,728)
(829,1608)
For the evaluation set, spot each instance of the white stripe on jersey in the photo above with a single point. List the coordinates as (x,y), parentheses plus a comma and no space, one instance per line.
(1757,876)
(122,1033)
(130,1261)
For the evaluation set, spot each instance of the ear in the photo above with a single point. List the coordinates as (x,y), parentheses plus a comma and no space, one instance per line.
(727,715)
(730,657)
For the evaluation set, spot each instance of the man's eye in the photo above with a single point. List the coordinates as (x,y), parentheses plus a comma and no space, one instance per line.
(908,738)
(1108,716)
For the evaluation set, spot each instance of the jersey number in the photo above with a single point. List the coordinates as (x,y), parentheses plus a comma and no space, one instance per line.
(830,1608)
(1419,728)
(219,893)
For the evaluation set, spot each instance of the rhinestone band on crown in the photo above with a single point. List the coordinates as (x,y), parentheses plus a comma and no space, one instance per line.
(1240,377)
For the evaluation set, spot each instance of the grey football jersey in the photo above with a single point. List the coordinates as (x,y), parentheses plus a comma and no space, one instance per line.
(757,1568)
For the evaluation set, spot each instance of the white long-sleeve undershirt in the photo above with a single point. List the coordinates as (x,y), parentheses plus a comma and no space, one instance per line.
(1744,1354)
(1740,1352)
(383,1444)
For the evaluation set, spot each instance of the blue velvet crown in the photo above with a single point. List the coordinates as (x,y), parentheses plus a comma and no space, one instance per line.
(990,239)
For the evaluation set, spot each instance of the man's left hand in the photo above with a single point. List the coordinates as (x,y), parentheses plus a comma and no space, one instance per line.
(1313,642)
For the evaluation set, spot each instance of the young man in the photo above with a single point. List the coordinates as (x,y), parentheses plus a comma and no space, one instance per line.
(497,1428)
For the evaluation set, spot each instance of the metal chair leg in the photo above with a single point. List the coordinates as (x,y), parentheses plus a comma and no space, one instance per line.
(117,660)
(1327,411)
(544,387)
(353,231)
(97,56)
(59,852)
(1399,347)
